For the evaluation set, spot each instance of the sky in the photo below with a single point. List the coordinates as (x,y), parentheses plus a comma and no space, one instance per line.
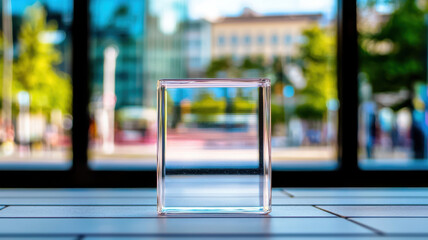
(18,6)
(212,9)
(197,9)
(172,11)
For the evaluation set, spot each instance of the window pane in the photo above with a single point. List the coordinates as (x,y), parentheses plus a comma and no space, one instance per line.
(393,84)
(274,39)
(136,43)
(234,41)
(35,84)
(247,40)
(261,39)
(287,39)
(221,41)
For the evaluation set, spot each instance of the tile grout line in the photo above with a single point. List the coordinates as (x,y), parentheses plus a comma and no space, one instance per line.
(378,232)
(166,217)
(4,206)
(287,193)
(189,235)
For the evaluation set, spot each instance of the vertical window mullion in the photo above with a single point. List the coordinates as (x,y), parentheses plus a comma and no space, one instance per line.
(347,73)
(80,80)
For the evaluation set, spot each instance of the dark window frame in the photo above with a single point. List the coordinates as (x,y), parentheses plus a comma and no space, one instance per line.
(347,174)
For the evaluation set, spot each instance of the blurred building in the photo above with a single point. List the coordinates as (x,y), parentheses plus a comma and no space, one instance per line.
(252,34)
(148,48)
(116,32)
(129,74)
(198,47)
(370,20)
(164,50)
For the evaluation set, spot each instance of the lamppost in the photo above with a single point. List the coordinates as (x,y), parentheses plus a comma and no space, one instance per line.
(109,99)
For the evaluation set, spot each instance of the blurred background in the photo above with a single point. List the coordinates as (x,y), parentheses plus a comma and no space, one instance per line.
(135,43)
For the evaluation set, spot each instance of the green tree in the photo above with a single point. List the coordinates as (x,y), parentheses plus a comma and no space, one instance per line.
(207,104)
(278,72)
(403,63)
(243,103)
(279,80)
(254,63)
(317,55)
(34,70)
(222,64)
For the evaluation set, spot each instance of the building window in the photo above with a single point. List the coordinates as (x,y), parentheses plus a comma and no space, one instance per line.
(247,40)
(196,43)
(260,39)
(194,62)
(274,39)
(220,41)
(234,40)
(288,39)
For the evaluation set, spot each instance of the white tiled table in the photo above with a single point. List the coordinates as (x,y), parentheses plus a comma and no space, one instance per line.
(128,214)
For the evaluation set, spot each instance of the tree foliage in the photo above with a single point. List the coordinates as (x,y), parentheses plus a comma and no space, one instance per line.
(34,70)
(207,104)
(394,58)
(222,64)
(253,63)
(232,68)
(317,56)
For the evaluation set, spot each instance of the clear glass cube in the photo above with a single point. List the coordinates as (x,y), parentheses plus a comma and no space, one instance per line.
(214,153)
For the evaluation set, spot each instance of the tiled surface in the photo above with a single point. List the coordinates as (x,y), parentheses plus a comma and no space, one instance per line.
(140,212)
(358,192)
(78,201)
(180,226)
(350,201)
(79,192)
(410,226)
(129,214)
(97,193)
(378,211)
